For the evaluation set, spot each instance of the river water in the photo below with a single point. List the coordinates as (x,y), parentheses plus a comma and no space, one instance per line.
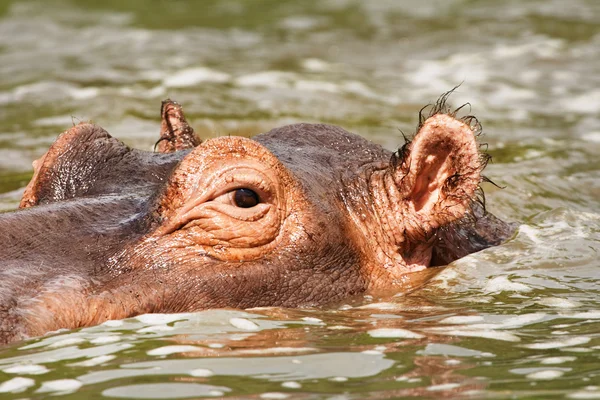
(518,321)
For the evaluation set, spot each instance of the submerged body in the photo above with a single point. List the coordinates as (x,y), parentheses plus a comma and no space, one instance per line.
(302,215)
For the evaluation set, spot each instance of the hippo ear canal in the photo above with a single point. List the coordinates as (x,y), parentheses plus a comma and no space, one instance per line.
(438,173)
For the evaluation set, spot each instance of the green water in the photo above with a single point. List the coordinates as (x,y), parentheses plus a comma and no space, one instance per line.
(518,321)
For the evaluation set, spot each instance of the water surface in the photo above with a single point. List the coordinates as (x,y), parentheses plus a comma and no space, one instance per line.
(518,321)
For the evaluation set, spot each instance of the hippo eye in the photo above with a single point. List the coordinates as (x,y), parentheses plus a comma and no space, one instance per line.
(245,198)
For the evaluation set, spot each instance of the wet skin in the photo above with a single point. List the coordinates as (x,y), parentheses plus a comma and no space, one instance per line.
(302,215)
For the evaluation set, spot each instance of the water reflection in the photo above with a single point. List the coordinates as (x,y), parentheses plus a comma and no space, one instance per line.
(519,320)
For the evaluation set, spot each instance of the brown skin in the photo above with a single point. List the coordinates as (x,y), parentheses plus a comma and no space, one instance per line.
(302,215)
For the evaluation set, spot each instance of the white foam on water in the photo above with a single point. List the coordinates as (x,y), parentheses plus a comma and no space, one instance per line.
(584,315)
(585,395)
(372,352)
(291,385)
(155,328)
(312,319)
(482,333)
(519,321)
(586,103)
(509,322)
(216,345)
(449,350)
(315,65)
(26,369)
(434,74)
(557,344)
(394,333)
(162,319)
(158,91)
(92,362)
(201,372)
(379,306)
(360,89)
(545,375)
(300,23)
(592,137)
(478,299)
(557,302)
(239,336)
(445,386)
(503,284)
(112,323)
(338,327)
(531,233)
(171,390)
(66,342)
(244,324)
(274,395)
(276,350)
(105,339)
(562,326)
(152,75)
(83,93)
(51,90)
(59,120)
(67,353)
(557,360)
(16,385)
(193,76)
(450,274)
(338,379)
(532,154)
(576,349)
(60,385)
(166,350)
(459,319)
(316,86)
(545,48)
(267,79)
(452,362)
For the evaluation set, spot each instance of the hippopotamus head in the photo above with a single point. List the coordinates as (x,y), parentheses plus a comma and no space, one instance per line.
(302,215)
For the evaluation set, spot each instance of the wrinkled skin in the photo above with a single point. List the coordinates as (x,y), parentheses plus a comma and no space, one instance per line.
(302,215)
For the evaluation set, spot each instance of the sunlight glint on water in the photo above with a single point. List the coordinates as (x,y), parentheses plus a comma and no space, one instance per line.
(521,320)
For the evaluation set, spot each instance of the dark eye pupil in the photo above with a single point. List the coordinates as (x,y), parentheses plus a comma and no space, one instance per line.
(245,198)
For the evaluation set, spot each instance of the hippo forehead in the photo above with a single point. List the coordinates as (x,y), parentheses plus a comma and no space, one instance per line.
(318,147)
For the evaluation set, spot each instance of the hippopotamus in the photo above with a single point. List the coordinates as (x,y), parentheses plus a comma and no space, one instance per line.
(303,215)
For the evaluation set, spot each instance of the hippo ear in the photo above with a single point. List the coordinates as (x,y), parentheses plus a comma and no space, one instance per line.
(72,164)
(438,173)
(175,132)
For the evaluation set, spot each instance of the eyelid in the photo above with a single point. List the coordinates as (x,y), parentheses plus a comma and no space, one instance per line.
(232,180)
